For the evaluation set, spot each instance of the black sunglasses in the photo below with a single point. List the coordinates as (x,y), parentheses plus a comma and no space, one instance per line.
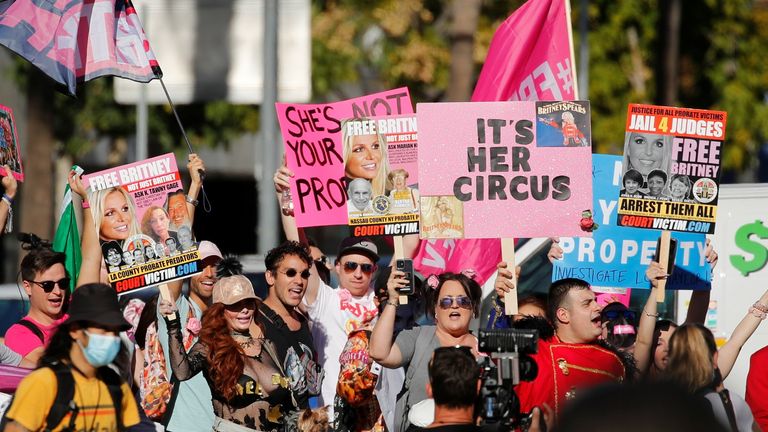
(615,314)
(351,266)
(292,272)
(463,302)
(48,285)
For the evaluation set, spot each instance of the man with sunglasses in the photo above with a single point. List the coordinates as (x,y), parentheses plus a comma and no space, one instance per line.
(287,276)
(337,312)
(45,281)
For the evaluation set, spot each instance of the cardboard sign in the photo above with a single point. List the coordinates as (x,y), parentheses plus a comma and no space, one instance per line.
(10,153)
(380,159)
(504,169)
(618,257)
(141,216)
(671,168)
(314,151)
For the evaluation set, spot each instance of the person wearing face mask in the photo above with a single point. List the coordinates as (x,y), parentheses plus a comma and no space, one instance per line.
(77,360)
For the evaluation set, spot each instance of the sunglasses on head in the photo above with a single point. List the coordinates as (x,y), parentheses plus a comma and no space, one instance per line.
(615,314)
(292,272)
(48,285)
(463,302)
(351,266)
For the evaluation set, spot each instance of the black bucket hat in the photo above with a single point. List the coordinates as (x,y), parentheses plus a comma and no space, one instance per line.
(97,304)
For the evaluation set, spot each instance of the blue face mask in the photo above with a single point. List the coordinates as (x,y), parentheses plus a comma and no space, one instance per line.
(101,349)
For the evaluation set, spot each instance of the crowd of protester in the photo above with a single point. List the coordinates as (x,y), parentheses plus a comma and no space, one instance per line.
(209,354)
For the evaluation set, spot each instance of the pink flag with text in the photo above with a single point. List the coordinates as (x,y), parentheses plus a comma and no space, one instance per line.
(529,59)
(76,41)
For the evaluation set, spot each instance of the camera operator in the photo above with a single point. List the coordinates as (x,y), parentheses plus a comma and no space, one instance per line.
(454,384)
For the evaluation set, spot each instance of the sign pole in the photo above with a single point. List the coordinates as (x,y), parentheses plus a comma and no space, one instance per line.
(508,256)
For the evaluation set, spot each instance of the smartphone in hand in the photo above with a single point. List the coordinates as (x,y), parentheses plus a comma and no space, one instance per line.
(406,266)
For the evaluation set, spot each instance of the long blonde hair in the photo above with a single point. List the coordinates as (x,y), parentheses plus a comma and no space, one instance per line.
(691,362)
(666,161)
(97,198)
(379,182)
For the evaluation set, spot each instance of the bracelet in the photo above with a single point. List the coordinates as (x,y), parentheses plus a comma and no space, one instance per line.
(656,315)
(192,201)
(8,199)
(393,303)
(757,313)
(86,204)
(761,307)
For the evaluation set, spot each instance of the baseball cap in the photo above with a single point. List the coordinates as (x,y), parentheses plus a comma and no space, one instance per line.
(358,245)
(208,249)
(230,290)
(96,303)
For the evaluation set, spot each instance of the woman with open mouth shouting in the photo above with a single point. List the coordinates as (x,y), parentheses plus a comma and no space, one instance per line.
(250,389)
(453,301)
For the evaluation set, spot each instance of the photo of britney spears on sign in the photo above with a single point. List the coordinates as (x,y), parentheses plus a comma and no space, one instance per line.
(128,205)
(380,169)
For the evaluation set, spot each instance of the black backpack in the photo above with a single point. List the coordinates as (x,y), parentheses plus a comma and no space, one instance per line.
(64,402)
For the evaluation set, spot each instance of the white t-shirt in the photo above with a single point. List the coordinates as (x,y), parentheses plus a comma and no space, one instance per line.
(334,314)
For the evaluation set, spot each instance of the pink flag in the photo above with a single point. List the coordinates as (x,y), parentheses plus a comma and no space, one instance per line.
(76,41)
(530,58)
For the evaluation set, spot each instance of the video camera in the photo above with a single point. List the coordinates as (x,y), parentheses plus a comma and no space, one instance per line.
(508,364)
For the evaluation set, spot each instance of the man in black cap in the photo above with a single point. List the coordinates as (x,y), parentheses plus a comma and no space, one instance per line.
(337,312)
(74,387)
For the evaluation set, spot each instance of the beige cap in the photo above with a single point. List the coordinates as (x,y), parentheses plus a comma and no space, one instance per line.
(232,289)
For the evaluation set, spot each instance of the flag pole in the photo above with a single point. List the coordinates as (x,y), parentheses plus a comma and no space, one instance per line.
(206,203)
(570,43)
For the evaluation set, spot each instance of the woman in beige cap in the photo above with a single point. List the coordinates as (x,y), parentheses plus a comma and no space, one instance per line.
(250,391)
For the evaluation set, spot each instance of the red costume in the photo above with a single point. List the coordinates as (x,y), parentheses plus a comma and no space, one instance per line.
(565,369)
(757,387)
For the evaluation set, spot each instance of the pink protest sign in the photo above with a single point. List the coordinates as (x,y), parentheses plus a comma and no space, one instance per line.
(314,151)
(504,169)
(144,227)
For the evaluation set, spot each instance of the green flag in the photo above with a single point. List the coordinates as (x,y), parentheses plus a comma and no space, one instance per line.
(67,239)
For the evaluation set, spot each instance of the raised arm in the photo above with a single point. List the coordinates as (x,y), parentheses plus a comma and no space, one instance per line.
(730,351)
(195,165)
(381,348)
(9,193)
(644,342)
(90,267)
(185,365)
(292,232)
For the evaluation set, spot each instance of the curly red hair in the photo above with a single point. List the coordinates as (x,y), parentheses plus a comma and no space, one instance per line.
(225,356)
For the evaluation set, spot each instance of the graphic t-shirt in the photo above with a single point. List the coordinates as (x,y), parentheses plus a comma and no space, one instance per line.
(334,314)
(22,340)
(295,349)
(36,393)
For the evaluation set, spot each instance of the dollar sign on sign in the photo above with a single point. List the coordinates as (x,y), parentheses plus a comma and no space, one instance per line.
(747,244)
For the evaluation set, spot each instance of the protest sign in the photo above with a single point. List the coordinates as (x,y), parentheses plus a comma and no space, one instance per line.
(509,168)
(314,152)
(671,168)
(10,153)
(618,257)
(143,245)
(380,156)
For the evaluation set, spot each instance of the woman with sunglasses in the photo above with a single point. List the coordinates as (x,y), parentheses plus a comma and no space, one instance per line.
(453,301)
(250,390)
